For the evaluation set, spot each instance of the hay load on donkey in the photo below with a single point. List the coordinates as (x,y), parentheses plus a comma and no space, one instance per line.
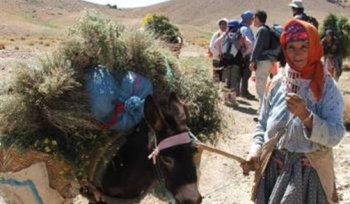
(84,114)
(164,30)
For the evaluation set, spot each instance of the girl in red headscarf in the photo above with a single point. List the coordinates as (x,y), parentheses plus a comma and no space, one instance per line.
(301,120)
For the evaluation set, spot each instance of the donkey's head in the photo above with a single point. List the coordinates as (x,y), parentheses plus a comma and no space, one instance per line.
(175,161)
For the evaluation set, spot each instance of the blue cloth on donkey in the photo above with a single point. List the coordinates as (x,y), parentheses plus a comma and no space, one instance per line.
(117,105)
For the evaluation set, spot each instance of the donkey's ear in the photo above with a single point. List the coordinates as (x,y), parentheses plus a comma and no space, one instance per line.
(178,109)
(153,116)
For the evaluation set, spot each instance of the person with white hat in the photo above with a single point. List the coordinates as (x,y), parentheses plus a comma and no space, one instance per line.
(296,4)
(213,52)
(298,9)
(299,13)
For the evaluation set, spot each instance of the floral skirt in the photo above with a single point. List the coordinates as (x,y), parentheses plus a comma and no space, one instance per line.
(289,179)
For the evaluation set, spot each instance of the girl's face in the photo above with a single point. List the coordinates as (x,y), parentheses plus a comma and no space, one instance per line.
(297,52)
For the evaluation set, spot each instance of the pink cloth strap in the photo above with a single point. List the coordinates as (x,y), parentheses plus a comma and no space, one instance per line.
(179,139)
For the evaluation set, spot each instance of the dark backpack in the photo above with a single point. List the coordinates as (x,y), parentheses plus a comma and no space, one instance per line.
(308,19)
(313,21)
(274,52)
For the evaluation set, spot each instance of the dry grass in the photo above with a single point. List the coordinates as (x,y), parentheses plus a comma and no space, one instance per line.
(194,35)
(28,42)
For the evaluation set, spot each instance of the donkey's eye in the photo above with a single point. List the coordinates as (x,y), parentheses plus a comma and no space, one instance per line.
(167,161)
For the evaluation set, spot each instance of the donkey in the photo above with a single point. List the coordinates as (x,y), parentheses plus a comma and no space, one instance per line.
(136,168)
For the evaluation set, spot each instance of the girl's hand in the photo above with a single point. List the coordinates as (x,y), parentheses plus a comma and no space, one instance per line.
(296,106)
(251,164)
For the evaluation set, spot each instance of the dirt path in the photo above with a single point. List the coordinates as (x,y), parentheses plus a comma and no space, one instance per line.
(189,50)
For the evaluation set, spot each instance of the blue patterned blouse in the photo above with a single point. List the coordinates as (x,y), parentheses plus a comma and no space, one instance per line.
(327,130)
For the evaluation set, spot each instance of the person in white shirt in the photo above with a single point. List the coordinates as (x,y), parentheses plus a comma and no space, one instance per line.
(214,52)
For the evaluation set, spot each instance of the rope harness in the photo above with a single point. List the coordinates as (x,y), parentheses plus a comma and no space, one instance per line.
(175,140)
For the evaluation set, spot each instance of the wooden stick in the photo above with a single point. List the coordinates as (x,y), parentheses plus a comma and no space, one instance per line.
(221,152)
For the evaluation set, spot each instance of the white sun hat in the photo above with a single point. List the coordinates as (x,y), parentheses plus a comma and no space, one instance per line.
(222,20)
(296,4)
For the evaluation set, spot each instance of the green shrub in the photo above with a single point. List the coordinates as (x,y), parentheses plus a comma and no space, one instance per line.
(341,28)
(161,26)
(202,97)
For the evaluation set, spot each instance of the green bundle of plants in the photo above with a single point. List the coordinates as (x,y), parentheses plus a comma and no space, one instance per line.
(161,27)
(202,98)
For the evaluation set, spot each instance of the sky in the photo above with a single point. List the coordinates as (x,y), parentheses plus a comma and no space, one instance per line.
(127,3)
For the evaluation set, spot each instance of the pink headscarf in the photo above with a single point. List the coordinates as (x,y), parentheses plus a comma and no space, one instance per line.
(295,32)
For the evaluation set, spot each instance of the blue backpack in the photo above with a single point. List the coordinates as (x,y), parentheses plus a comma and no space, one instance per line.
(230,45)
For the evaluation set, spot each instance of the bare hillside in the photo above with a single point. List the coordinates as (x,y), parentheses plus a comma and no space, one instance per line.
(48,16)
(20,17)
(204,13)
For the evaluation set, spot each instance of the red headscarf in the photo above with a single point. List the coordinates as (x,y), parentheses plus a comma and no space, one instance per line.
(314,68)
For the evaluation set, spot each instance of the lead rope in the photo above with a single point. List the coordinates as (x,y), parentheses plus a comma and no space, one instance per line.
(161,180)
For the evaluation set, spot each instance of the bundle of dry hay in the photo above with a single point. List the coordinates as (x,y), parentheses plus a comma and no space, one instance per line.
(161,27)
(45,107)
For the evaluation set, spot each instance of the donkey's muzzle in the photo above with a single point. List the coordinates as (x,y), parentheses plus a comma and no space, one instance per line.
(189,194)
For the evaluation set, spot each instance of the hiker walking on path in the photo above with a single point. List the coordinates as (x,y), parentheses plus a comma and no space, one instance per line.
(213,52)
(299,13)
(247,19)
(332,50)
(301,121)
(261,63)
(233,47)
